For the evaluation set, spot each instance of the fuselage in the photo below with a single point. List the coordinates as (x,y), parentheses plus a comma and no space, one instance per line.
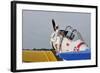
(68,45)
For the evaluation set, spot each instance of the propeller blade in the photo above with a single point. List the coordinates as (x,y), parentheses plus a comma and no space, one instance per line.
(54,25)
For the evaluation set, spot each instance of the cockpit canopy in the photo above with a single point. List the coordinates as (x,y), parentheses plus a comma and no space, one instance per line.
(70,33)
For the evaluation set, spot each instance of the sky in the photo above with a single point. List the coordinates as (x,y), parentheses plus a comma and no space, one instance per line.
(37,26)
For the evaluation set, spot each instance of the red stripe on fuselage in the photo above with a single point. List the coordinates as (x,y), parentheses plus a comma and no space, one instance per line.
(79,45)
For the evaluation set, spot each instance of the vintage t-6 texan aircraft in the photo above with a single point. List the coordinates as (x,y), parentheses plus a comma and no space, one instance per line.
(69,44)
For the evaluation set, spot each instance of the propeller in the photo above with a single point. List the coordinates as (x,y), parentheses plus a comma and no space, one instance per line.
(54,25)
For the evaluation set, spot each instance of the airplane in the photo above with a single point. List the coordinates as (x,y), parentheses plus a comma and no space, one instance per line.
(68,42)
